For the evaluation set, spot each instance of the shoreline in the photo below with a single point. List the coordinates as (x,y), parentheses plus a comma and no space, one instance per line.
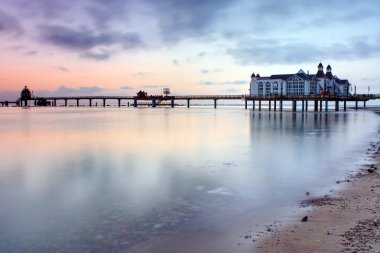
(345,221)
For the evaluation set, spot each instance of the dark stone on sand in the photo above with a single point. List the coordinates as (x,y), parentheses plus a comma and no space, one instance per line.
(370,170)
(307,193)
(304,219)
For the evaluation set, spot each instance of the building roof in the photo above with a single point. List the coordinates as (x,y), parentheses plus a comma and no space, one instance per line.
(320,74)
(302,75)
(341,81)
(281,76)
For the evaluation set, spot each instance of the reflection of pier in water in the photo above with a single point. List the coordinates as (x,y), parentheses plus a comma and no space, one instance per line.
(273,102)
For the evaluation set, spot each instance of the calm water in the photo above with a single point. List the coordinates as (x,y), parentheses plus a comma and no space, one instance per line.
(129,180)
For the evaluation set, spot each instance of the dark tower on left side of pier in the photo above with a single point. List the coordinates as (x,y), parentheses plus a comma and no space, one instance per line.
(25,95)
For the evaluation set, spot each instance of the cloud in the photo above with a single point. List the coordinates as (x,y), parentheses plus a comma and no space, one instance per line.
(85,38)
(207,71)
(30,53)
(60,68)
(176,62)
(257,52)
(230,90)
(143,74)
(99,29)
(95,44)
(9,24)
(210,83)
(126,87)
(9,95)
(99,56)
(202,54)
(90,89)
(149,86)
(183,19)
(67,91)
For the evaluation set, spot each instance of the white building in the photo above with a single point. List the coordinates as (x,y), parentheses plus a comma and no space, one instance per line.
(300,84)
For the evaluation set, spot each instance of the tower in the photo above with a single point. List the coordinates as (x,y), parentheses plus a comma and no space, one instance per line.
(328,72)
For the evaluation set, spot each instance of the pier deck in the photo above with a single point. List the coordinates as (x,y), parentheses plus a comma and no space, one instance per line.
(156,100)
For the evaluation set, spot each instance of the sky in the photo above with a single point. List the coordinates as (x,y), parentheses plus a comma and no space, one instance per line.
(118,47)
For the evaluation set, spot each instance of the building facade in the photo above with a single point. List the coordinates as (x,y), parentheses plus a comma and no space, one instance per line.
(300,84)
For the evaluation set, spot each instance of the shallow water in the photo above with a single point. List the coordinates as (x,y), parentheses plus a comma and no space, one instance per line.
(112,179)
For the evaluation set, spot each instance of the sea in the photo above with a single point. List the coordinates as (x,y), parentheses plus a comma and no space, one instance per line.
(199,179)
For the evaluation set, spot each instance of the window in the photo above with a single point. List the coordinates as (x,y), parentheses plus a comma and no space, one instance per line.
(267,88)
(295,86)
(260,89)
(313,87)
(275,88)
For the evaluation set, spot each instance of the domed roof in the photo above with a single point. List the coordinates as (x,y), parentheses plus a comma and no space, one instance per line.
(257,75)
(25,93)
(328,67)
(320,65)
(253,75)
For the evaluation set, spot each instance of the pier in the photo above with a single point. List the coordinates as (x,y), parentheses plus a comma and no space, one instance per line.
(273,102)
(8,103)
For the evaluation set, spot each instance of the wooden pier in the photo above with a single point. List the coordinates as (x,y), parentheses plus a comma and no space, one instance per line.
(273,102)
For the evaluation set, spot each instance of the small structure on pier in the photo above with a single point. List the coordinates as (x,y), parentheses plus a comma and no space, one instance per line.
(300,84)
(25,94)
(141,94)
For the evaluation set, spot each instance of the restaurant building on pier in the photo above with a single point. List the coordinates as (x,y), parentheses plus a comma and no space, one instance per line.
(299,84)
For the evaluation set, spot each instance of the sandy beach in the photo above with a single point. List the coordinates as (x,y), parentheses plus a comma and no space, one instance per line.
(347,220)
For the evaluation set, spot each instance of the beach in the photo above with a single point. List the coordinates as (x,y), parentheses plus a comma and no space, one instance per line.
(346,220)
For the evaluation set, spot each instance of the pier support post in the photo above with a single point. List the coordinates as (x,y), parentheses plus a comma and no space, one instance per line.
(55,102)
(77,102)
(326,105)
(281,104)
(259,104)
(303,105)
(344,105)
(90,102)
(215,103)
(172,103)
(274,105)
(65,102)
(188,103)
(294,105)
(315,105)
(246,104)
(269,105)
(356,105)
(253,104)
(320,105)
(153,103)
(337,105)
(119,102)
(365,104)
(134,102)
(104,102)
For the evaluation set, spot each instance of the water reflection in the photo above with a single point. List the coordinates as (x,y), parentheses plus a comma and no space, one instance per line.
(104,180)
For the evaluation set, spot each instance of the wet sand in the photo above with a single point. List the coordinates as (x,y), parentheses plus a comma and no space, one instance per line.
(345,221)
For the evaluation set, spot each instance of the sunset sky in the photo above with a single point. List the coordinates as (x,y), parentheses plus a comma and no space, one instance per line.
(117,47)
